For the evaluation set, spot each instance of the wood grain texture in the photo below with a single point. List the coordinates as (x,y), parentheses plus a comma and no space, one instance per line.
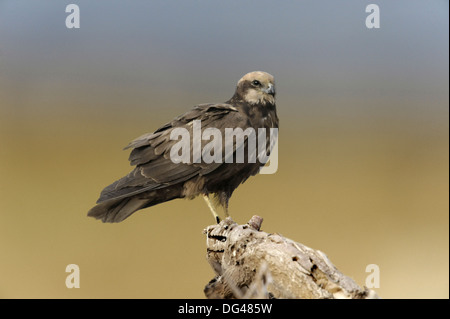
(250,263)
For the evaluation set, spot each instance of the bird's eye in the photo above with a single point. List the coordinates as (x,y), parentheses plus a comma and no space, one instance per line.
(256,83)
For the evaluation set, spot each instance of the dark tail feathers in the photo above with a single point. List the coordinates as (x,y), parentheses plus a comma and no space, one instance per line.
(116,210)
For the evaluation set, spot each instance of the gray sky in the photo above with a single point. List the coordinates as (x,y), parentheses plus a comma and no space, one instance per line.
(316,49)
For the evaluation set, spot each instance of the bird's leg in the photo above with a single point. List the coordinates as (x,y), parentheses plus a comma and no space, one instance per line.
(211,207)
(226,210)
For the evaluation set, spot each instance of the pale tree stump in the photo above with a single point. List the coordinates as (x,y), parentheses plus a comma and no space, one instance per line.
(250,263)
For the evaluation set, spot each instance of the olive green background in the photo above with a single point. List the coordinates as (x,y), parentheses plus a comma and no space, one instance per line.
(363,144)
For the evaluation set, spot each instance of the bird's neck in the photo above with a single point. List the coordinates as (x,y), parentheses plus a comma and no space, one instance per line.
(257,111)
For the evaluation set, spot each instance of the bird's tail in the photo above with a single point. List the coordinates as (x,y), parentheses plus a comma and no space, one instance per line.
(116,210)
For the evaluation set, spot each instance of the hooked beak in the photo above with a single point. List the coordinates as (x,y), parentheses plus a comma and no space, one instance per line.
(270,90)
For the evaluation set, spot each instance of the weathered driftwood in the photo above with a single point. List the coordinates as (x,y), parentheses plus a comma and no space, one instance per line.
(250,263)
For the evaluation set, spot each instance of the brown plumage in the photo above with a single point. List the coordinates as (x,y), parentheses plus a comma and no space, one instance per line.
(157,179)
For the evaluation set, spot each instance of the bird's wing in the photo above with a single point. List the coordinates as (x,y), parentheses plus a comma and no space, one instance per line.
(151,152)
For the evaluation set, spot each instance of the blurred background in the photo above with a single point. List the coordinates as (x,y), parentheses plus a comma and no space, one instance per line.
(363,148)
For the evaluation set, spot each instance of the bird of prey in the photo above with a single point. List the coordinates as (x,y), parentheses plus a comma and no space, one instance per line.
(157,178)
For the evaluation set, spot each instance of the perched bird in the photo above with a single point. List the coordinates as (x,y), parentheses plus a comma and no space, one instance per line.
(157,178)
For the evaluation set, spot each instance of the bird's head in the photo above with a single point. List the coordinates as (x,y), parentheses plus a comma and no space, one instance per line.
(256,87)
